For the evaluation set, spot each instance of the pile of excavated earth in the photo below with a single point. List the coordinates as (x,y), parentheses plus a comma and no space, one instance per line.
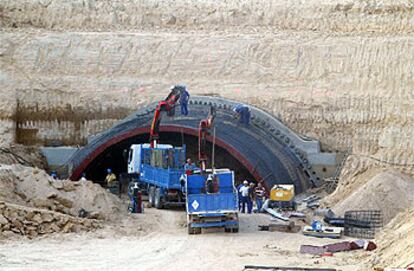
(32,222)
(390,191)
(33,203)
(396,242)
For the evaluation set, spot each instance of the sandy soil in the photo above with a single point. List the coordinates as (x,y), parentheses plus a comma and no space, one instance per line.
(158,240)
(397,239)
(388,191)
(33,187)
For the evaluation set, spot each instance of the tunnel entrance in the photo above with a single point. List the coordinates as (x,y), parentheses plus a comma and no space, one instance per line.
(265,150)
(114,158)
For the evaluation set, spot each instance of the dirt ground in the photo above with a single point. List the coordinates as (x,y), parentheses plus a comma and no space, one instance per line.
(158,240)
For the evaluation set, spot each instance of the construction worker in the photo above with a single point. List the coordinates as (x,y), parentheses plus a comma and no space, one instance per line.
(53,174)
(83,177)
(210,184)
(110,178)
(185,97)
(243,112)
(244,191)
(189,166)
(260,194)
(134,194)
(252,198)
(240,196)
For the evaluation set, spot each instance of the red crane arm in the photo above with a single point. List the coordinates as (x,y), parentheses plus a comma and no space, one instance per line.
(168,106)
(204,130)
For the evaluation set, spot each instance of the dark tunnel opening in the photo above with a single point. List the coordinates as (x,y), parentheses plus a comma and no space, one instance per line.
(114,158)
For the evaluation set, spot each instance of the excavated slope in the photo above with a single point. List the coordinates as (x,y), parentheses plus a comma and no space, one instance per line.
(337,71)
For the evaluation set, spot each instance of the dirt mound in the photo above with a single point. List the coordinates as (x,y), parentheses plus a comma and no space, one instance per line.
(31,222)
(390,191)
(395,243)
(19,154)
(33,187)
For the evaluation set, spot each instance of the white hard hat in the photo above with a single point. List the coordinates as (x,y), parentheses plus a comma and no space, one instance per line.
(245,182)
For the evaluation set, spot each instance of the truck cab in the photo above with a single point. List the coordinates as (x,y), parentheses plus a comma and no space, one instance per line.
(158,171)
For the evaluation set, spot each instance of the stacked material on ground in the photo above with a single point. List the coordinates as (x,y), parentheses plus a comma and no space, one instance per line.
(32,222)
(32,187)
(390,191)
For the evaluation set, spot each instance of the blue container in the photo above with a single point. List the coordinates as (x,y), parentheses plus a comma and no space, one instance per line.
(199,201)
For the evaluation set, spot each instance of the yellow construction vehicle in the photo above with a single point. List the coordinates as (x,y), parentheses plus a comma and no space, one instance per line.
(282,196)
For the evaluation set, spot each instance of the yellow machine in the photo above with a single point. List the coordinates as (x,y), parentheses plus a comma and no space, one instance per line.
(282,196)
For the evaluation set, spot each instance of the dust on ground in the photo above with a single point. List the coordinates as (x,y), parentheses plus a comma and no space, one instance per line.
(160,241)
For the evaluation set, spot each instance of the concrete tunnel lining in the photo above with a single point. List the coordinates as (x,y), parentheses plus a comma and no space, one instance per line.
(167,128)
(259,148)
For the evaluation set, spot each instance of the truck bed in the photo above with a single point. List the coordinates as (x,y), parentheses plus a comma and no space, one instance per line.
(165,178)
(211,203)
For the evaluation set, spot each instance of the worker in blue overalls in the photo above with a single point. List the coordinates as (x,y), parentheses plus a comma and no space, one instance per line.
(185,96)
(244,191)
(243,112)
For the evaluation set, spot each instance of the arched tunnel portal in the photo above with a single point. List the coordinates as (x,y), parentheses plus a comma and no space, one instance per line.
(264,150)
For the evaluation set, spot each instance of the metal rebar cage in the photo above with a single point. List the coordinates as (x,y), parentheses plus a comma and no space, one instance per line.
(363,224)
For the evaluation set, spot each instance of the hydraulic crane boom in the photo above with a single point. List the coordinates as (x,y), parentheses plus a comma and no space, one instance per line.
(168,106)
(203,131)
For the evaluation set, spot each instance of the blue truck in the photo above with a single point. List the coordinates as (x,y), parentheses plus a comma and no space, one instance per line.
(212,200)
(210,196)
(158,171)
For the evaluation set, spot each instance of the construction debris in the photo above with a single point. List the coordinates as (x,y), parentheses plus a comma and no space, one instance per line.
(33,187)
(274,213)
(315,250)
(31,222)
(393,269)
(325,232)
(32,203)
(291,227)
(312,202)
(292,214)
(311,198)
(330,217)
(277,268)
(338,247)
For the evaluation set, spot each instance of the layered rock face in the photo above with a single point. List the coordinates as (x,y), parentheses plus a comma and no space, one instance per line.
(31,222)
(337,71)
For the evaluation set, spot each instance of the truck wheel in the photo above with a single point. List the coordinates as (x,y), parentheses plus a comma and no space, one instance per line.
(151,196)
(158,199)
(235,230)
(190,230)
